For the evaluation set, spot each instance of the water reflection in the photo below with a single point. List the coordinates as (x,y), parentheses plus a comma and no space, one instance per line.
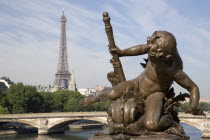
(41,137)
(195,134)
(69,135)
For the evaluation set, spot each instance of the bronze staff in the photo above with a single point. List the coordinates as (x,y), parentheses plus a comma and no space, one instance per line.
(118,75)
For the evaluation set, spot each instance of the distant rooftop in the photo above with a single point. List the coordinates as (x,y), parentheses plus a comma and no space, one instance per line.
(7,80)
(5,83)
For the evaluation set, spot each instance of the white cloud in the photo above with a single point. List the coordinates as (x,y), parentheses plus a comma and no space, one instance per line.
(195,62)
(29,40)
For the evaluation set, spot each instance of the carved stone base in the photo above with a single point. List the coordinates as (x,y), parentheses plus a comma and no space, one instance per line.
(146,137)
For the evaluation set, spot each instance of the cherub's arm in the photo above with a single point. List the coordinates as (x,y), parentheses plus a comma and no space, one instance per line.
(183,80)
(132,51)
(135,50)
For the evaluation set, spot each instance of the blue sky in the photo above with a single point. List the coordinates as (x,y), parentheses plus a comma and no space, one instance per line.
(30,31)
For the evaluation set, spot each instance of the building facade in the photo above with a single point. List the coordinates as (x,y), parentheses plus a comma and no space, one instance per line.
(92,91)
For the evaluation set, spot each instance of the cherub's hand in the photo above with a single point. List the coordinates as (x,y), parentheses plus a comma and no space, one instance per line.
(88,101)
(115,50)
(195,111)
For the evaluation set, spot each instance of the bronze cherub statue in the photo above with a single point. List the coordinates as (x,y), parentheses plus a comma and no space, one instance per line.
(146,103)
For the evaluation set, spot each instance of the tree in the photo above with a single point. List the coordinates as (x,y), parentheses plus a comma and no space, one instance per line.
(73,102)
(203,106)
(23,99)
(3,99)
(72,105)
(101,106)
(15,98)
(3,110)
(48,101)
(60,97)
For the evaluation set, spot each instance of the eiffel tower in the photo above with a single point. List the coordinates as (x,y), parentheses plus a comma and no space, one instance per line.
(62,77)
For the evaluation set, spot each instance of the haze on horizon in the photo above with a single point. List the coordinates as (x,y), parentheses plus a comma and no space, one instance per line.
(30,38)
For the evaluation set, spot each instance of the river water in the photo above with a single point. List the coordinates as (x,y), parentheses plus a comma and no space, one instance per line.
(195,134)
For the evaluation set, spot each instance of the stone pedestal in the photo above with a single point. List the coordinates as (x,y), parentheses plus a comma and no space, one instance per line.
(149,137)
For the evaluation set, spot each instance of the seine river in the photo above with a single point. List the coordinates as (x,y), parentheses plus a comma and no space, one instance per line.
(194,134)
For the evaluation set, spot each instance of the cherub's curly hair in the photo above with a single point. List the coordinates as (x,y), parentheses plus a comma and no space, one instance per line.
(163,39)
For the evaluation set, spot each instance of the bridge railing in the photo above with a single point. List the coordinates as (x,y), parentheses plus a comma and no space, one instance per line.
(184,115)
(79,114)
(55,114)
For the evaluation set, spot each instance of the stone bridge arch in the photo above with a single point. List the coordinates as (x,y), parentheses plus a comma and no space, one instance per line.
(28,122)
(65,121)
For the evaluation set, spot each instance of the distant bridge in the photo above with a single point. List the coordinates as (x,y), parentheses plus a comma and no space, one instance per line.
(54,122)
(199,122)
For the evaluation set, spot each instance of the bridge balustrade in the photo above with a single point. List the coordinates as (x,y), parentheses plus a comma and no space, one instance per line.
(54,122)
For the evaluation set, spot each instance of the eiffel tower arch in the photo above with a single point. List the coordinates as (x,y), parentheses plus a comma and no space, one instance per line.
(62,76)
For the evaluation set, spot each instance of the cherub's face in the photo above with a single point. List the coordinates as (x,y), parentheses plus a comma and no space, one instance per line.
(162,45)
(158,54)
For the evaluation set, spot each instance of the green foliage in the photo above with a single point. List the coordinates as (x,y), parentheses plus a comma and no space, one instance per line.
(15,98)
(3,99)
(48,101)
(3,110)
(21,98)
(202,105)
(73,102)
(101,106)
(60,98)
(72,105)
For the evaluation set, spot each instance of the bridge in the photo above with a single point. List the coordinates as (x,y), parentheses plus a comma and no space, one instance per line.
(48,123)
(199,122)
